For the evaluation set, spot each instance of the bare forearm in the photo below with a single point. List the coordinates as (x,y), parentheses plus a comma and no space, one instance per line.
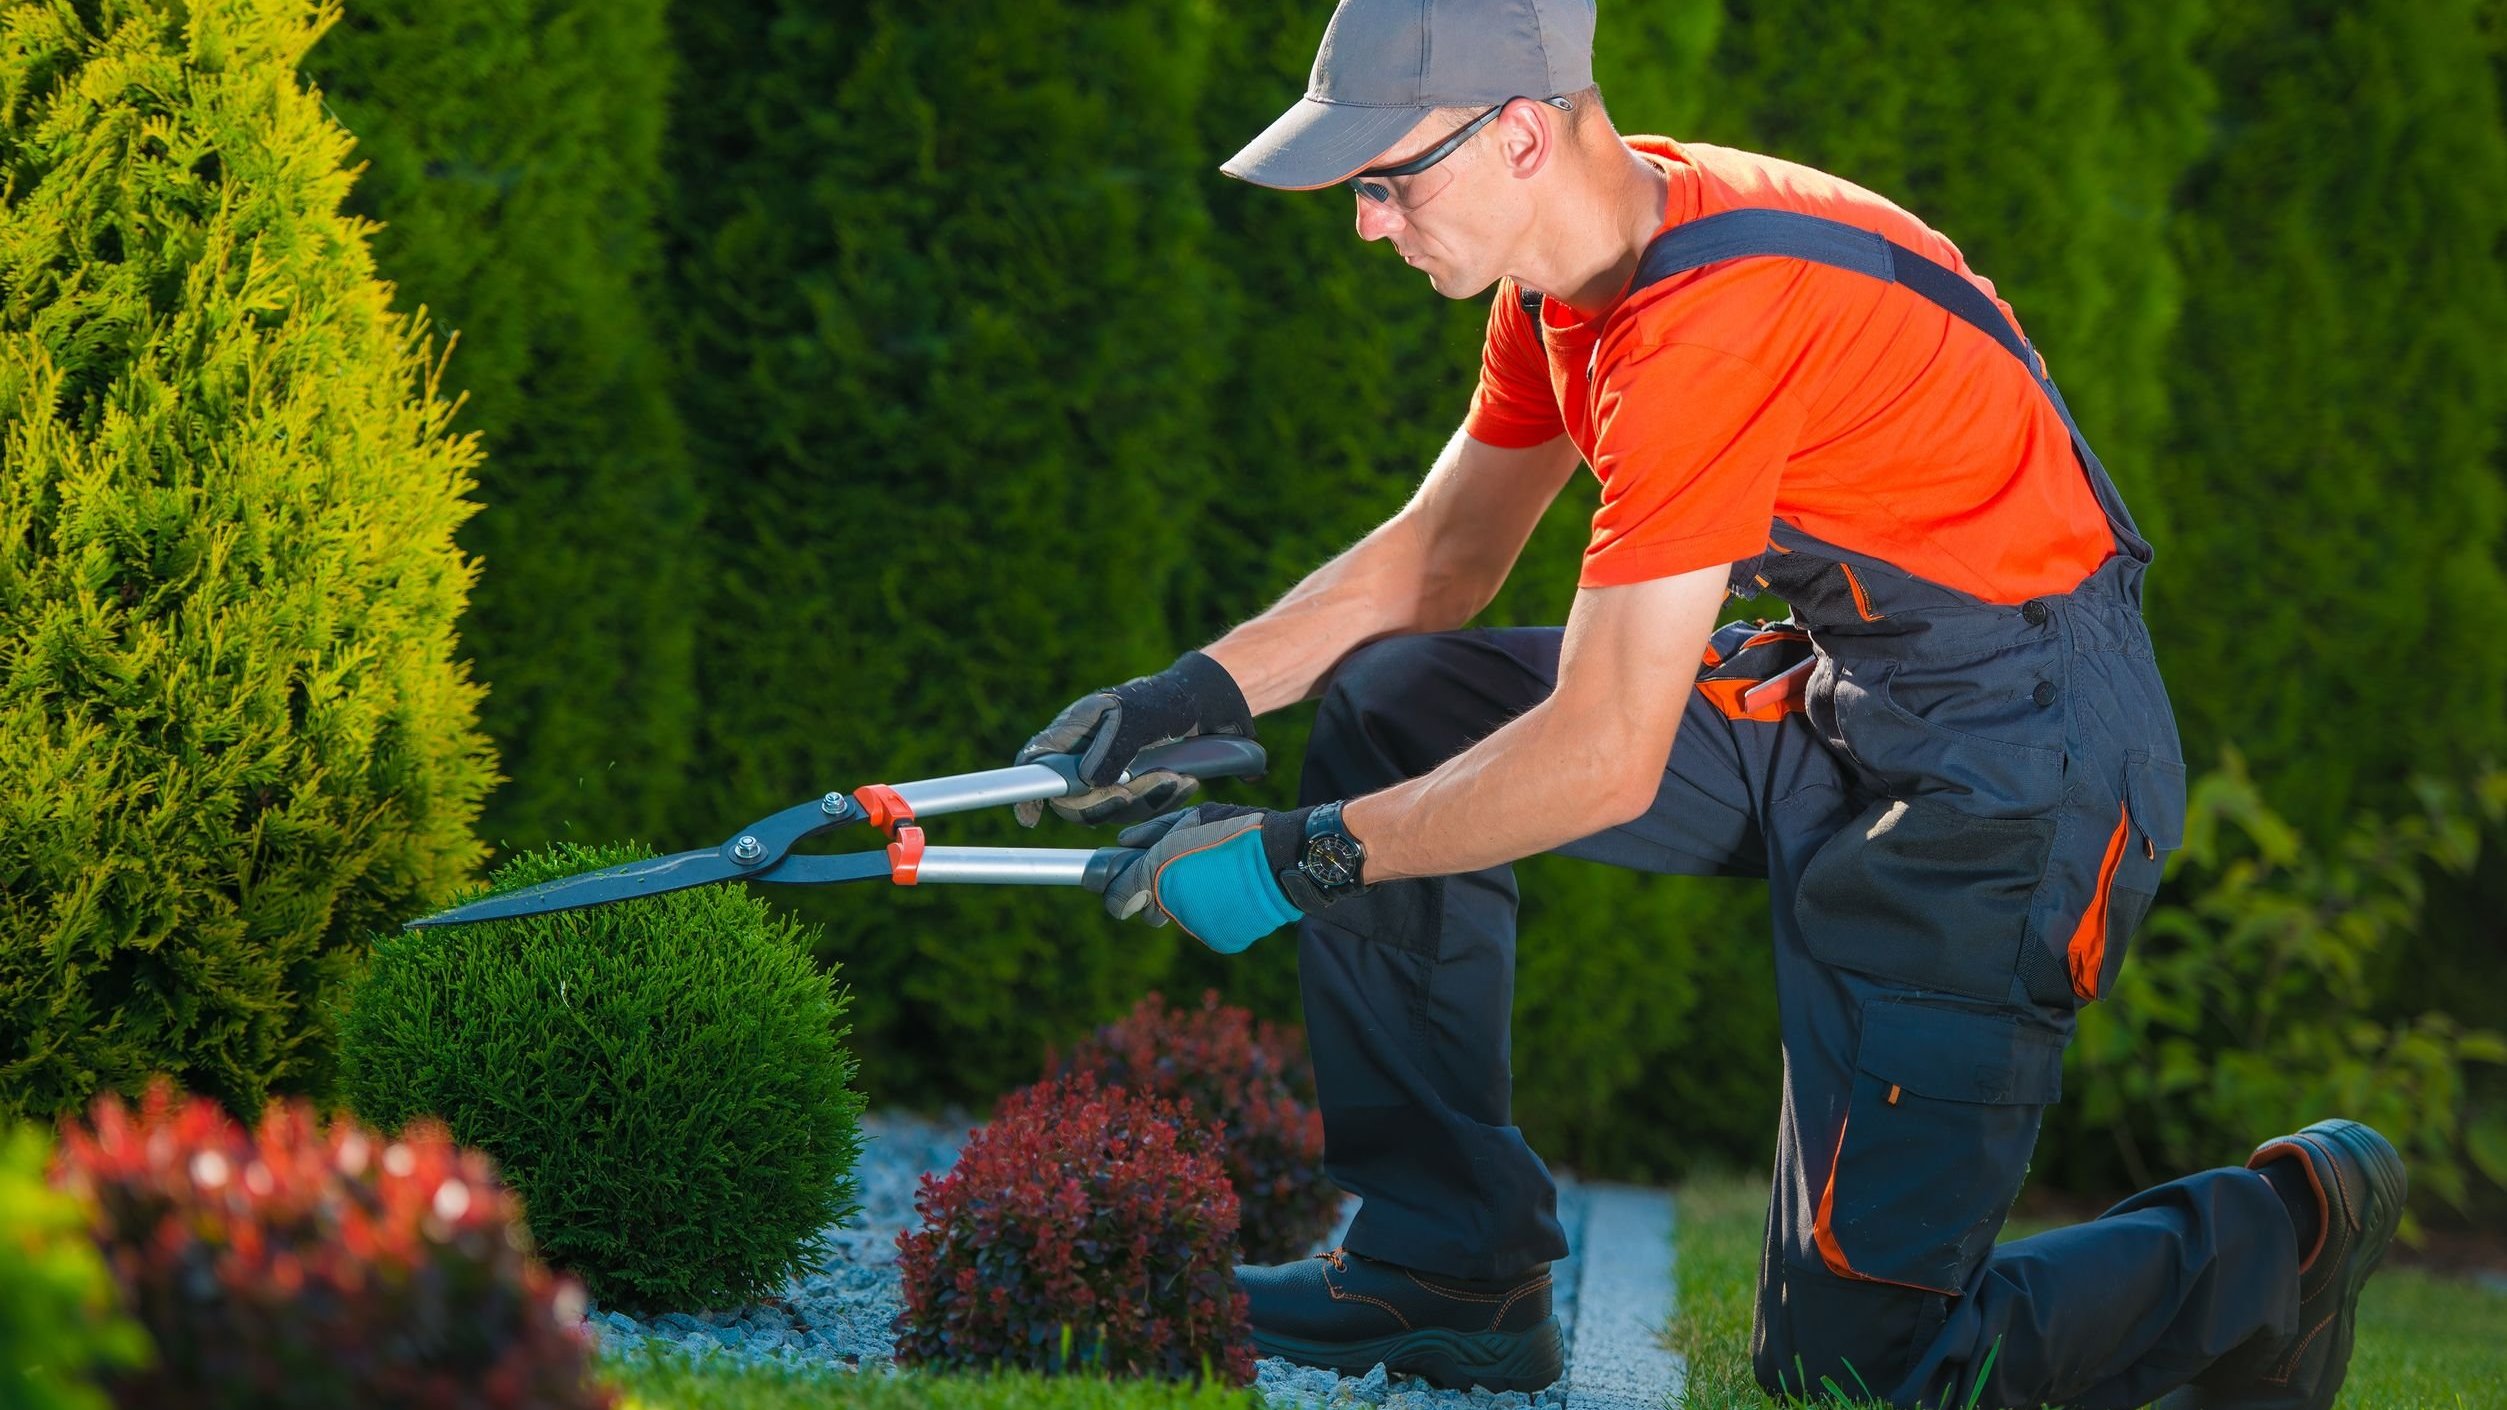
(1539,782)
(1379,587)
(1429,568)
(1588,756)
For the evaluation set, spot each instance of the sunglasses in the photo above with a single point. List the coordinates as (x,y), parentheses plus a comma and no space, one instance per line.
(1382,194)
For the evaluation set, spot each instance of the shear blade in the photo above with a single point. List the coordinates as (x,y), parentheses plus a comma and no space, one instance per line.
(652,877)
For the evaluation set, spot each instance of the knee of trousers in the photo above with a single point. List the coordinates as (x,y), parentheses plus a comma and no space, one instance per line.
(1384,709)
(1865,1338)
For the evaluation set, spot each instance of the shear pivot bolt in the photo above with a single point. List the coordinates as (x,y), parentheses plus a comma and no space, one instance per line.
(833,805)
(747,849)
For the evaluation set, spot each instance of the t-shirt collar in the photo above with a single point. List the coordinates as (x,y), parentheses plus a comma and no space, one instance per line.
(1680,205)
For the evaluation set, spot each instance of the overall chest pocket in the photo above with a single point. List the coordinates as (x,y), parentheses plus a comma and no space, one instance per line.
(1937,1135)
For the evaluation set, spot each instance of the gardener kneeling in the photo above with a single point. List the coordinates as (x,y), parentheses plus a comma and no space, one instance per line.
(1954,763)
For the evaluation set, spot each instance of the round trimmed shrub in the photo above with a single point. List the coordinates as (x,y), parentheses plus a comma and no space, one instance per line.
(298,1268)
(1085,1226)
(662,1079)
(1255,1081)
(58,1313)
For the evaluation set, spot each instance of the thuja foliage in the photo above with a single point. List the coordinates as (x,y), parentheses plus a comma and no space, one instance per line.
(60,1319)
(2246,1006)
(513,154)
(1083,1228)
(304,1267)
(235,735)
(941,273)
(663,1080)
(1250,1078)
(2337,373)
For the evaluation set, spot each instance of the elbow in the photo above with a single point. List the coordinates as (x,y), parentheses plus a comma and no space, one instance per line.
(1633,780)
(1452,586)
(1448,600)
(1628,805)
(1619,791)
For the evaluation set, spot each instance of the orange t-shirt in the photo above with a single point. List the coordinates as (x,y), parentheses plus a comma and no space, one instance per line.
(1753,390)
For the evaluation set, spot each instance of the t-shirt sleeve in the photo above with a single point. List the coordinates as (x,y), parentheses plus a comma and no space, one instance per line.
(1689,445)
(1514,405)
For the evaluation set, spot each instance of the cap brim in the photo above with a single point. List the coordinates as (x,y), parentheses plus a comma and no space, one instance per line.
(1317,144)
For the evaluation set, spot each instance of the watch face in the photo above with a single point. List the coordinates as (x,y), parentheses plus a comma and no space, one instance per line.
(1331,860)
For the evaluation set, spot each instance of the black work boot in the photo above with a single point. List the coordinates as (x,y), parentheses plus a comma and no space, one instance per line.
(2359,1185)
(1346,1312)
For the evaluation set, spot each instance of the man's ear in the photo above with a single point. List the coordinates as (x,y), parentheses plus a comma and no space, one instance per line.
(1529,133)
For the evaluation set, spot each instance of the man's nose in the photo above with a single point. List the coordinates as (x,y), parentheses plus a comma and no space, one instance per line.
(1376,219)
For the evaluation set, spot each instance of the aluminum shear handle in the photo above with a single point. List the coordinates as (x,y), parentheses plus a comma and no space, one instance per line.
(762,851)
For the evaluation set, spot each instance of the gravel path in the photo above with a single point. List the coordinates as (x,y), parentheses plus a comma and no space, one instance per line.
(839,1320)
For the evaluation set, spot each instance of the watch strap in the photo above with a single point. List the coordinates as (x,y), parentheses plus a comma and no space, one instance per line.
(1325,821)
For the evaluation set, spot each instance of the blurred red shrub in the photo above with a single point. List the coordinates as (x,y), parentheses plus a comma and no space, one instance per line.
(294,1267)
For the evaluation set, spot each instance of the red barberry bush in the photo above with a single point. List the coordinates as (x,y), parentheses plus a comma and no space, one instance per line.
(1255,1081)
(1084,1227)
(296,1267)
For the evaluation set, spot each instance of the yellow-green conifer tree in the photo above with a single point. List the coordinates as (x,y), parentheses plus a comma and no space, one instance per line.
(235,739)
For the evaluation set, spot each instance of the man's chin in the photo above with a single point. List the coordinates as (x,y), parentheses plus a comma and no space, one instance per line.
(1447,283)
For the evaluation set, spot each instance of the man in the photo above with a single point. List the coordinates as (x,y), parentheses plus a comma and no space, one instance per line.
(1954,764)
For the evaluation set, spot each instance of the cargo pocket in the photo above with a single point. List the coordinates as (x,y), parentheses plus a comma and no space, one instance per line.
(2149,824)
(1925,895)
(1937,1136)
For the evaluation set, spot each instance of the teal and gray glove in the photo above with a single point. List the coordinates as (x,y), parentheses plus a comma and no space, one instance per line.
(1222,871)
(1105,728)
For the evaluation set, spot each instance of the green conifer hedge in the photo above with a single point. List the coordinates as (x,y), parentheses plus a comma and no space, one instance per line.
(513,156)
(235,736)
(946,312)
(2339,400)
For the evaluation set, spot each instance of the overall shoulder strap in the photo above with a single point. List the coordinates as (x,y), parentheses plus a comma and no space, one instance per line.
(1791,234)
(1794,235)
(1785,234)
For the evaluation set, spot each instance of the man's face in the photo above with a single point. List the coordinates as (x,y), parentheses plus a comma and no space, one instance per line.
(1446,220)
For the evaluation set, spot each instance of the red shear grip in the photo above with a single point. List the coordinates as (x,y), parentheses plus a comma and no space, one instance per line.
(885,805)
(905,856)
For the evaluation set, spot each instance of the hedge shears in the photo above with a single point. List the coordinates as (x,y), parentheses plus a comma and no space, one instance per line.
(762,851)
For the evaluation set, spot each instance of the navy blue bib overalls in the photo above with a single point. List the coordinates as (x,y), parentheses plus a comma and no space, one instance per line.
(1961,810)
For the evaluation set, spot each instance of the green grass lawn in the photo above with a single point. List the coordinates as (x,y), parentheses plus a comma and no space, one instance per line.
(2424,1341)
(666,1379)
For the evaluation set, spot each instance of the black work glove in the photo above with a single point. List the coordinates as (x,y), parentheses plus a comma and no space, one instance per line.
(1106,728)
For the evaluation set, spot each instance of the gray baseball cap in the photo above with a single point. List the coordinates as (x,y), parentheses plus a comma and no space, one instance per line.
(1385,64)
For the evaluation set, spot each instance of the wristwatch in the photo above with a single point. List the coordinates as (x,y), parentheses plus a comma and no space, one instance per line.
(1332,860)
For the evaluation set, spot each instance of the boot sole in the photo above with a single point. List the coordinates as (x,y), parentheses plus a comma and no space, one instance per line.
(1450,1360)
